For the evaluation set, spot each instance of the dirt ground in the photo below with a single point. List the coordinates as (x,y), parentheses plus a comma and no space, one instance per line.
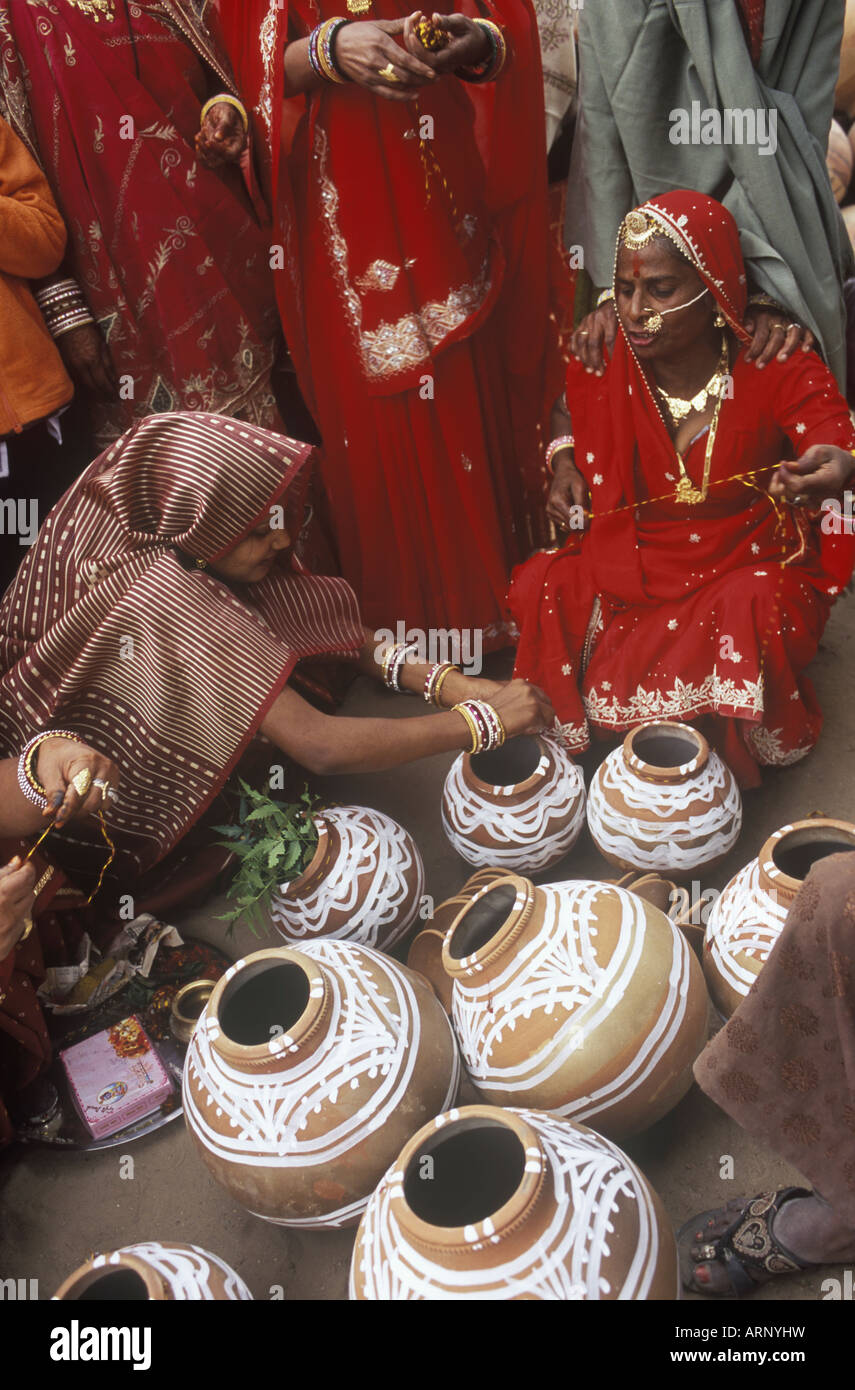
(58,1207)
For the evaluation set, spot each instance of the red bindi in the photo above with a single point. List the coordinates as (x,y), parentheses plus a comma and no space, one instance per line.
(636,265)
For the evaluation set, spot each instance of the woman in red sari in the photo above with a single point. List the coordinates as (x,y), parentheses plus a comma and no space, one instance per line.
(171,257)
(412,212)
(700,588)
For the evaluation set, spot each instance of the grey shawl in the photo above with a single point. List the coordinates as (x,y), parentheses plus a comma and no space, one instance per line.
(641,60)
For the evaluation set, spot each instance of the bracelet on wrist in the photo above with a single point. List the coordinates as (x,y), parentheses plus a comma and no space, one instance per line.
(435,679)
(564,441)
(393,663)
(230,101)
(322,42)
(484,724)
(492,66)
(605,296)
(63,307)
(27,777)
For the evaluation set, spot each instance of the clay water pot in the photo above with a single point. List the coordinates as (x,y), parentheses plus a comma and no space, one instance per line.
(522,806)
(485,1203)
(153,1273)
(577,997)
(425,954)
(838,160)
(748,917)
(364,883)
(664,801)
(308,1071)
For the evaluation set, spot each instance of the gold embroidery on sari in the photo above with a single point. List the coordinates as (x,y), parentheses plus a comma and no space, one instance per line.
(267,40)
(397,347)
(380,275)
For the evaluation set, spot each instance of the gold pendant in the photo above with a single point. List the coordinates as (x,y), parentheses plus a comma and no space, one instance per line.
(358,6)
(687,494)
(96,9)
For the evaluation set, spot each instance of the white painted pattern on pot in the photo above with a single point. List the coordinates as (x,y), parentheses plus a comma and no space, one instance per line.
(745,920)
(389,907)
(559,970)
(367,1037)
(529,836)
(592,1178)
(185,1269)
(659,836)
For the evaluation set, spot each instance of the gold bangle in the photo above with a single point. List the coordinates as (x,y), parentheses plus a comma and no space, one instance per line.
(440,681)
(230,101)
(471,725)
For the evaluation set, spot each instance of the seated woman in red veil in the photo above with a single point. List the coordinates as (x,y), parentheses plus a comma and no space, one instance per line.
(707,542)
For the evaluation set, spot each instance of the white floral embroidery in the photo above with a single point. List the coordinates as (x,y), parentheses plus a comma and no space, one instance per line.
(795,695)
(670,477)
(767,746)
(800,428)
(672,624)
(607,685)
(694,538)
(597,479)
(734,656)
(682,700)
(761,574)
(833,589)
(567,669)
(590,457)
(755,549)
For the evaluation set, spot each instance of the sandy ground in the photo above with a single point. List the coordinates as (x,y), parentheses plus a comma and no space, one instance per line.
(58,1207)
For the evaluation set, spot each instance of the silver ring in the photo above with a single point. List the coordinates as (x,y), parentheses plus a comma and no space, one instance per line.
(112,793)
(801,500)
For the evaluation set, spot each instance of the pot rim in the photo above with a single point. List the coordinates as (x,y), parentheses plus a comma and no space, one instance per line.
(509,788)
(301,1032)
(511,928)
(87,1274)
(766,864)
(497,1225)
(654,772)
(293,886)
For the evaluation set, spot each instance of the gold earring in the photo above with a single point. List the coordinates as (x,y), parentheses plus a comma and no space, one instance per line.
(719,320)
(201,564)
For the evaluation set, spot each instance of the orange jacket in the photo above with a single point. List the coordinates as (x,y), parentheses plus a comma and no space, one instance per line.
(33,381)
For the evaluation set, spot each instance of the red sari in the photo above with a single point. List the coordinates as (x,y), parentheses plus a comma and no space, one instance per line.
(415,301)
(170,256)
(671,611)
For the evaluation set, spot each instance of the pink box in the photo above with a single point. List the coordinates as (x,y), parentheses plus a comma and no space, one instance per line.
(116,1077)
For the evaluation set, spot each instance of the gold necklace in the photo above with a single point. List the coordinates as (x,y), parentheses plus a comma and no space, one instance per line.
(679,407)
(96,9)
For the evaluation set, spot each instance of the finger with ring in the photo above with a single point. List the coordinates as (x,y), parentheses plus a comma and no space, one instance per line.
(82,781)
(389,73)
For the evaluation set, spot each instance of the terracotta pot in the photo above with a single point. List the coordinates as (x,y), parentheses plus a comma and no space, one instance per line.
(364,883)
(425,954)
(747,919)
(308,1071)
(664,801)
(520,807)
(575,997)
(494,1204)
(838,160)
(154,1273)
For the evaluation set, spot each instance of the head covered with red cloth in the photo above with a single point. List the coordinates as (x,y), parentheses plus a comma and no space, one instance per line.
(112,632)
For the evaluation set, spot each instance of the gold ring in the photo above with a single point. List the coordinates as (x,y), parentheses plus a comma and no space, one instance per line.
(28,927)
(583,333)
(782,326)
(389,73)
(82,781)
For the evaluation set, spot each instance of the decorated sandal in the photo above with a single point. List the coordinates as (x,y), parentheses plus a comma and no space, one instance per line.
(747,1250)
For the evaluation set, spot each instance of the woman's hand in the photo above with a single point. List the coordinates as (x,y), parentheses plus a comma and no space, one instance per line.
(569,503)
(523,709)
(17,881)
(772,335)
(363,50)
(87,361)
(597,331)
(457,687)
(59,762)
(822,471)
(222,137)
(469,46)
